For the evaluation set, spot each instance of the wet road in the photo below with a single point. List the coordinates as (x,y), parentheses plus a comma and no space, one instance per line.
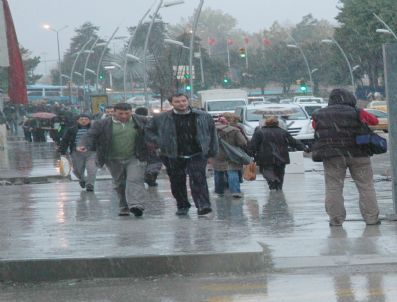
(377,285)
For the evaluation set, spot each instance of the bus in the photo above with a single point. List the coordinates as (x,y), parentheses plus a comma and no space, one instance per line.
(52,93)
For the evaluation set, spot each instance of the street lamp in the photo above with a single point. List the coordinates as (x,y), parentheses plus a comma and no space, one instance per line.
(388,30)
(194,28)
(145,76)
(333,41)
(48,27)
(127,52)
(306,61)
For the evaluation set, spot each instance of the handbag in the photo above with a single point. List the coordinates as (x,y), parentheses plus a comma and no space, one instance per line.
(249,172)
(234,153)
(371,142)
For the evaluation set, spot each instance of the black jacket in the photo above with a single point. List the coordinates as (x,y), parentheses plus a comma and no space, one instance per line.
(69,140)
(336,128)
(100,137)
(161,132)
(269,145)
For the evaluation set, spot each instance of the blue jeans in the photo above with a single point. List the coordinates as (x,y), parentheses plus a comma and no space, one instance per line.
(233,181)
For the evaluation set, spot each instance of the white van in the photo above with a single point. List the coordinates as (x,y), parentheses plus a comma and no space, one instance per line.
(299,124)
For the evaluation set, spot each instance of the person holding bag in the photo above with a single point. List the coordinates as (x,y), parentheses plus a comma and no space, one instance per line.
(225,170)
(336,128)
(269,146)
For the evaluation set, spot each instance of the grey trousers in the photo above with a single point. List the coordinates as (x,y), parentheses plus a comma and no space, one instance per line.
(361,172)
(84,161)
(128,180)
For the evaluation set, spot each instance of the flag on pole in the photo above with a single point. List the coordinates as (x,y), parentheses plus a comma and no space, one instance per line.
(9,47)
(211,41)
(266,42)
(230,41)
(246,40)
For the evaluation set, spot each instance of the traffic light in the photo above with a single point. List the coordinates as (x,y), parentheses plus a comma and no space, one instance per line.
(242,52)
(188,88)
(101,77)
(226,80)
(303,86)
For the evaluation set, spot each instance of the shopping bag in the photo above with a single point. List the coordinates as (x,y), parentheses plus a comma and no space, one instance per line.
(249,172)
(64,166)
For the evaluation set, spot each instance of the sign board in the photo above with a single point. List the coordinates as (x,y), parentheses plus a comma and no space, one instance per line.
(98,103)
(181,70)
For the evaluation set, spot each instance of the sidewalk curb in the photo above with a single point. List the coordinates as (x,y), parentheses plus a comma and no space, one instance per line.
(136,266)
(22,180)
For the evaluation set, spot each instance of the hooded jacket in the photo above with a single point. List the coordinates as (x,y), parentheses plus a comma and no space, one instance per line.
(336,127)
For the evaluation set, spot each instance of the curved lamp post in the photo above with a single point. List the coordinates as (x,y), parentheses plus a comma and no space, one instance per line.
(306,62)
(145,76)
(105,47)
(194,28)
(74,64)
(388,30)
(48,27)
(127,52)
(333,41)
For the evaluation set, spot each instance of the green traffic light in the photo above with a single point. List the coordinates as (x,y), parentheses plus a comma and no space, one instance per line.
(303,88)
(188,87)
(225,80)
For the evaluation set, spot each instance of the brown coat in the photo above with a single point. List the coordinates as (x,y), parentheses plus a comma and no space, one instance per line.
(233,136)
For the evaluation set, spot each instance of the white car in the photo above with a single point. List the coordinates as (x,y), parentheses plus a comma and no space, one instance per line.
(299,124)
(308,99)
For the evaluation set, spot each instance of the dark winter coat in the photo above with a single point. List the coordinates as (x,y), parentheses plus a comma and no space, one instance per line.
(269,146)
(69,140)
(161,131)
(100,136)
(234,137)
(336,128)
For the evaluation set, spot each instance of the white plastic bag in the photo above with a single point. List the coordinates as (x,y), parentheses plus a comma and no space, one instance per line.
(65,166)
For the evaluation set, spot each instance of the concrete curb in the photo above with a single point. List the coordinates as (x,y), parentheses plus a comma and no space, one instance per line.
(137,266)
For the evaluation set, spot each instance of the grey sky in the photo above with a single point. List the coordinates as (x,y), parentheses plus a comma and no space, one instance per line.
(252,15)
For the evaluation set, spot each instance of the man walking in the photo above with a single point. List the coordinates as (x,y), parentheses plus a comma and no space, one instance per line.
(186,138)
(336,127)
(81,160)
(116,139)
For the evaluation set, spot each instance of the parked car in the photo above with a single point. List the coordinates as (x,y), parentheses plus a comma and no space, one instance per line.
(307,99)
(378,105)
(383,118)
(311,107)
(298,124)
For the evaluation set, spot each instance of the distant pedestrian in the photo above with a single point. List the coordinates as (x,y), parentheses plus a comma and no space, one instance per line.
(116,139)
(82,161)
(269,145)
(336,127)
(186,138)
(153,161)
(226,172)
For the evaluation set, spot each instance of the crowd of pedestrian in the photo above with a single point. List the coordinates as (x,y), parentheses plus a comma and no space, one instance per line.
(134,146)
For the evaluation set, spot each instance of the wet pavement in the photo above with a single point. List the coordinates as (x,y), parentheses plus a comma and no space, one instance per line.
(54,230)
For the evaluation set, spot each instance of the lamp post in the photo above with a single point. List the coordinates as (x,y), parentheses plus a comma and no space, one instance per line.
(105,47)
(48,27)
(388,30)
(194,28)
(145,76)
(296,46)
(127,50)
(74,64)
(333,41)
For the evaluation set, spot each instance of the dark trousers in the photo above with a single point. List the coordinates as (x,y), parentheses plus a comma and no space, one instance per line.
(177,169)
(274,176)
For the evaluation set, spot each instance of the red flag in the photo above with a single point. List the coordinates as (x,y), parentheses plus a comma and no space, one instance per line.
(16,72)
(266,42)
(246,40)
(230,41)
(211,41)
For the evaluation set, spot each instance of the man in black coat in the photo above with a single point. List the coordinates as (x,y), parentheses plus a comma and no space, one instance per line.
(120,145)
(186,138)
(81,160)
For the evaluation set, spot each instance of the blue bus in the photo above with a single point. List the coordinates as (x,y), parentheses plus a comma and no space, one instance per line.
(52,93)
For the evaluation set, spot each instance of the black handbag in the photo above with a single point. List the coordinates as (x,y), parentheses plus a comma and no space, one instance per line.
(234,153)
